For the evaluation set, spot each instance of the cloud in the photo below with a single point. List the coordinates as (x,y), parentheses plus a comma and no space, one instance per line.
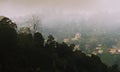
(24,7)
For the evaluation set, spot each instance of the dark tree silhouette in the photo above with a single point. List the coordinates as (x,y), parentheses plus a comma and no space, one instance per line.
(38,40)
(8,43)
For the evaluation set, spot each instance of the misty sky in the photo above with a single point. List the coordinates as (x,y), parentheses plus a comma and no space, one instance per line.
(13,8)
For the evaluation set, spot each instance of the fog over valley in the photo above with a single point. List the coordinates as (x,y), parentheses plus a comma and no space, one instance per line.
(103,12)
(72,21)
(60,35)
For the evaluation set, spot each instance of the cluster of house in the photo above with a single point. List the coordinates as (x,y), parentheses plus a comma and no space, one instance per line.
(99,50)
(74,40)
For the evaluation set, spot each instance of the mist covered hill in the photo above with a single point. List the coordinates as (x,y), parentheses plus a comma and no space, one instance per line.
(66,25)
